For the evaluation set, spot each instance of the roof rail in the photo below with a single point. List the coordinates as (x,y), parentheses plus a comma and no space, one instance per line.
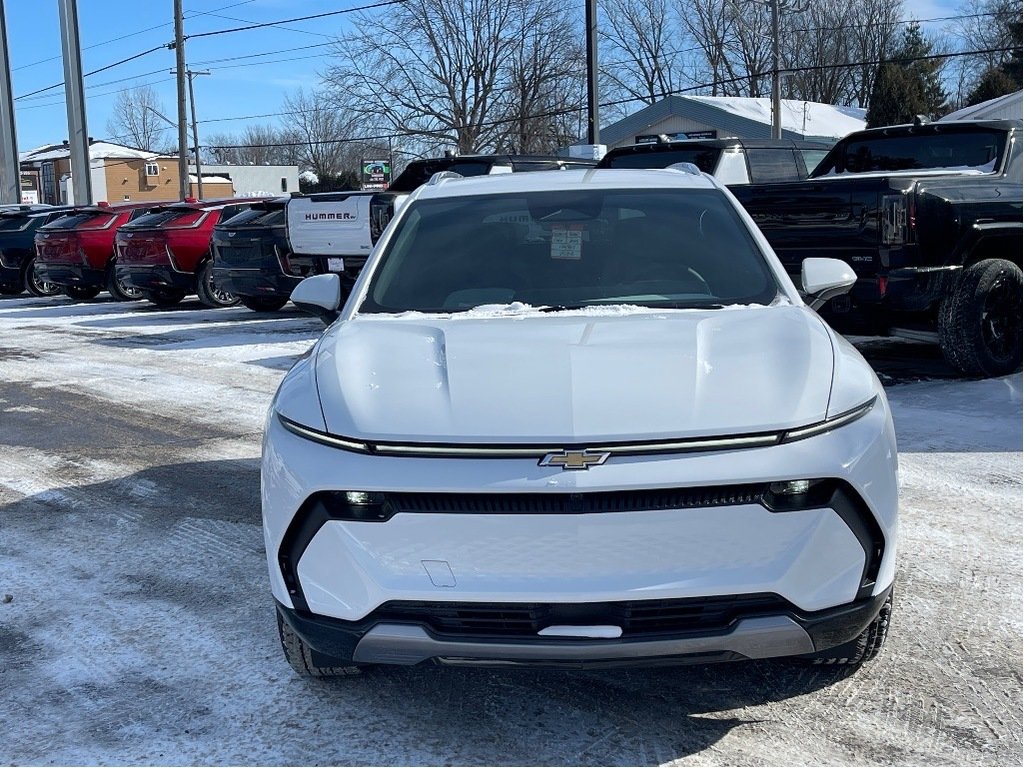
(689,168)
(442,176)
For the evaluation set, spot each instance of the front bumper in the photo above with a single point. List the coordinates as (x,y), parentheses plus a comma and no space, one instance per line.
(752,635)
(155,278)
(71,274)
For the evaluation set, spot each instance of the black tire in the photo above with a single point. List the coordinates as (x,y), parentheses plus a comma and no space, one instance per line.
(164,297)
(81,292)
(263,303)
(36,286)
(862,648)
(980,320)
(300,656)
(119,289)
(208,292)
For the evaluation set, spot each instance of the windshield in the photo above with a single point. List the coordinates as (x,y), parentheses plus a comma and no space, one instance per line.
(12,222)
(257,216)
(673,248)
(81,220)
(167,217)
(705,158)
(977,149)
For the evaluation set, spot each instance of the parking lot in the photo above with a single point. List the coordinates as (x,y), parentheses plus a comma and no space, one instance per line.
(140,626)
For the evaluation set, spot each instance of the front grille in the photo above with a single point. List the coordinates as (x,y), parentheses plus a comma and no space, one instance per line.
(635,617)
(576,503)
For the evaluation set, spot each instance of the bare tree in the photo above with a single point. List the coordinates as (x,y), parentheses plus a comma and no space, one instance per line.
(646,59)
(543,99)
(318,127)
(435,69)
(135,119)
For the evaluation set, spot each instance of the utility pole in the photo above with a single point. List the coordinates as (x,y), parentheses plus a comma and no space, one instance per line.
(195,129)
(179,55)
(593,121)
(10,167)
(74,95)
(776,82)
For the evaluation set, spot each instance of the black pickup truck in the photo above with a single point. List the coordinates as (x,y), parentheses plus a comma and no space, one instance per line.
(929,216)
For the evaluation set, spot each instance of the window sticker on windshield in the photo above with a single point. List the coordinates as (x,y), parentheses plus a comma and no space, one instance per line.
(566,241)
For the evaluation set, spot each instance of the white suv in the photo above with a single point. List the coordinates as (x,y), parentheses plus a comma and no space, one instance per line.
(578,417)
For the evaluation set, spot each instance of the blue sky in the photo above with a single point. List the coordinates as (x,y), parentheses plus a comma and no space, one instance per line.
(114,29)
(119,28)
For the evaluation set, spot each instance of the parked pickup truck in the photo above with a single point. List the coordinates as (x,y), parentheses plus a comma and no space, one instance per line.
(166,253)
(929,217)
(261,255)
(76,250)
(731,161)
(18,227)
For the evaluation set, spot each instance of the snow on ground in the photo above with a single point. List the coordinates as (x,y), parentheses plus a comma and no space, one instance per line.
(140,627)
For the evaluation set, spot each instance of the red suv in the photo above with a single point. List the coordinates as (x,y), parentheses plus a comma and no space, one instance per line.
(76,251)
(166,254)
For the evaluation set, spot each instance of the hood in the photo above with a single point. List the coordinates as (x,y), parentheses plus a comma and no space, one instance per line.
(574,377)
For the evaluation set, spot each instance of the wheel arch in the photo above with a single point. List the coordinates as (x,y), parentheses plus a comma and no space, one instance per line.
(1004,240)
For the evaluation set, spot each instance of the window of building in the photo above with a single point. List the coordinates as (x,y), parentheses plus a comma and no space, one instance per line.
(49,184)
(284,184)
(152,169)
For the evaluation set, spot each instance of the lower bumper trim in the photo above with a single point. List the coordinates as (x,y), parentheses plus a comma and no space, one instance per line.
(754,638)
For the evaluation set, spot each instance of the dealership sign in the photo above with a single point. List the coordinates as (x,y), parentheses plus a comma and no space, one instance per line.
(376,174)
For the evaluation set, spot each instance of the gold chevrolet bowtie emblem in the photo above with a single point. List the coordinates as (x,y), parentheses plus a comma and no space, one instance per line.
(575,459)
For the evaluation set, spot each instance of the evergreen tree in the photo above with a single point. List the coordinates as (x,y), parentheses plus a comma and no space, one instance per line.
(907,85)
(993,83)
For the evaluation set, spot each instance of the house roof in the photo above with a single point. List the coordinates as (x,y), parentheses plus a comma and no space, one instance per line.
(98,150)
(739,116)
(1008,107)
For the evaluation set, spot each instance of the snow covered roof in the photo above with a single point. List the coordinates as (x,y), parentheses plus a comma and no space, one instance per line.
(1008,107)
(209,179)
(807,118)
(744,117)
(98,150)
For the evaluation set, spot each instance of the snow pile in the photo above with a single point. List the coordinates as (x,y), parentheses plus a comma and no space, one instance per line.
(309,177)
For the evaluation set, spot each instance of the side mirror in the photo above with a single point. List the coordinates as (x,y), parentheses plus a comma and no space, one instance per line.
(319,295)
(824,279)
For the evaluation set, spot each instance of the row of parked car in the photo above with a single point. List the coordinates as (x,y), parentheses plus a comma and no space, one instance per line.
(928,215)
(248,250)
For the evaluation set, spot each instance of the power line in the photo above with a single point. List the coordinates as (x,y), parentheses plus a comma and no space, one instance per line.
(136,33)
(297,18)
(618,102)
(60,102)
(94,72)
(279,25)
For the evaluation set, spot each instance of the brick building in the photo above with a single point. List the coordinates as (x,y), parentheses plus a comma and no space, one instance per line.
(119,174)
